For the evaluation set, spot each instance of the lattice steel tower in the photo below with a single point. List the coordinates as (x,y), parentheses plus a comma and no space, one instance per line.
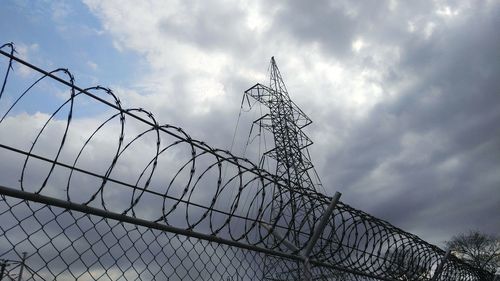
(285,121)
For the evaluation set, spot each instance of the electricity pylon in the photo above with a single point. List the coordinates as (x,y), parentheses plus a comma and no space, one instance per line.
(285,122)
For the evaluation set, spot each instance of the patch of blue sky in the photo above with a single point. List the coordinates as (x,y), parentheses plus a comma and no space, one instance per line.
(25,94)
(61,34)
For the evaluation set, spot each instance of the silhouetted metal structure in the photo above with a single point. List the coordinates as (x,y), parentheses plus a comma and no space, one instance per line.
(285,122)
(92,190)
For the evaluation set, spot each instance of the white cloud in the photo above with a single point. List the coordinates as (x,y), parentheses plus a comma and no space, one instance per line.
(429,29)
(357,45)
(191,75)
(26,52)
(446,11)
(92,65)
(60,11)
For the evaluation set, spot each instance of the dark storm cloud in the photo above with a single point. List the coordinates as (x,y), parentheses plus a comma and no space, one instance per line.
(436,147)
(322,21)
(424,155)
(334,25)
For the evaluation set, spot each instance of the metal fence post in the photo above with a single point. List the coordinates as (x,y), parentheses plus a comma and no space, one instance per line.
(318,230)
(440,267)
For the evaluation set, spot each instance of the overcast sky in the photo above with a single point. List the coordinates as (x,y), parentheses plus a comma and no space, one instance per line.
(404,96)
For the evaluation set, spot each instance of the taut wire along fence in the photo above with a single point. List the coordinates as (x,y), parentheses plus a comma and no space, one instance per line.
(91,190)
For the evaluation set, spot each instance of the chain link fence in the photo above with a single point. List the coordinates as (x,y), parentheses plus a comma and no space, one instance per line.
(91,190)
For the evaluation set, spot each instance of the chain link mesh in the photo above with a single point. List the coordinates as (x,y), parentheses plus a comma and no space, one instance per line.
(67,245)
